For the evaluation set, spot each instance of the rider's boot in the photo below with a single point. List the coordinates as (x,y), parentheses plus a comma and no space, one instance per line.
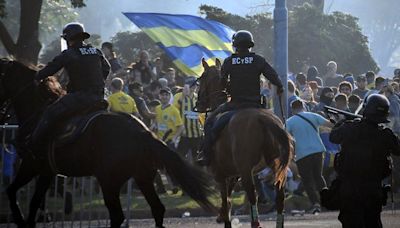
(40,132)
(206,147)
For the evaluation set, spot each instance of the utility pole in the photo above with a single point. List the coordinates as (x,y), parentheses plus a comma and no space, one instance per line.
(281,54)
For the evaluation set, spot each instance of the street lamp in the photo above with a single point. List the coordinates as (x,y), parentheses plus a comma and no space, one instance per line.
(281,54)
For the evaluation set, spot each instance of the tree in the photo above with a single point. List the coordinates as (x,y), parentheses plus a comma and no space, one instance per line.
(128,45)
(314,38)
(318,4)
(27,46)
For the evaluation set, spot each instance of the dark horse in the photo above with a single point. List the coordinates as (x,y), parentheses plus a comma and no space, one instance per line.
(113,148)
(253,139)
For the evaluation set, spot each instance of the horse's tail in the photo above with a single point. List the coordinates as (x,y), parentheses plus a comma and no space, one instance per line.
(192,180)
(278,138)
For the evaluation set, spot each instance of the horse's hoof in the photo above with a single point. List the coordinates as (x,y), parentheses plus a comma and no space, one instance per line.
(21,224)
(256,224)
(219,219)
(228,225)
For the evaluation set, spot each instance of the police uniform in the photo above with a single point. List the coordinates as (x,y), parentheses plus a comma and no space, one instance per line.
(240,74)
(243,71)
(87,69)
(362,165)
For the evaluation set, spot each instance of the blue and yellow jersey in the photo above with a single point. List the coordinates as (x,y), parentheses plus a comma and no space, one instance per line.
(191,119)
(122,102)
(168,119)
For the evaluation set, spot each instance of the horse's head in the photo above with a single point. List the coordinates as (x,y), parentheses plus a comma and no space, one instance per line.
(17,83)
(211,94)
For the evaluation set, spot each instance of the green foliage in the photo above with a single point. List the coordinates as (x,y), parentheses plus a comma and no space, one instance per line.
(314,38)
(127,45)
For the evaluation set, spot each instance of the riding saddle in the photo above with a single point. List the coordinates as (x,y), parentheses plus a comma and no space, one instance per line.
(68,131)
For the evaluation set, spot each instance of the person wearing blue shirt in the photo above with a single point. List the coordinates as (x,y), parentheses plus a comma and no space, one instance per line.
(303,126)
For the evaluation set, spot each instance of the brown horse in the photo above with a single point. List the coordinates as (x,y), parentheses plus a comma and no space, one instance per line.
(253,139)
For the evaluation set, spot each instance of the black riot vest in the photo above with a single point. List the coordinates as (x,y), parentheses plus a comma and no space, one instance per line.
(244,71)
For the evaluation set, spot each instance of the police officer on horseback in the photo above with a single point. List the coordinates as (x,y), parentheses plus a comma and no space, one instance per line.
(363,163)
(240,75)
(87,70)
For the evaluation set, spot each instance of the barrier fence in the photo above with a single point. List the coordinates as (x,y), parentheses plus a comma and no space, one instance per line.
(70,201)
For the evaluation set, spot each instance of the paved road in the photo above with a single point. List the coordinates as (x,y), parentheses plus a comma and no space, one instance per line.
(323,220)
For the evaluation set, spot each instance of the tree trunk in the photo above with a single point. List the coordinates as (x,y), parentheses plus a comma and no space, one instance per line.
(28,45)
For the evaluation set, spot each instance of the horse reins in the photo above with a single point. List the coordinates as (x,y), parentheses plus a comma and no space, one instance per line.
(282,111)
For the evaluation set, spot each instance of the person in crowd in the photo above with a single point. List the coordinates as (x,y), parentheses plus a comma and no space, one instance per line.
(308,97)
(326,98)
(361,83)
(87,69)
(109,53)
(119,101)
(170,76)
(341,102)
(159,68)
(370,76)
(301,82)
(266,93)
(163,82)
(244,83)
(348,77)
(315,89)
(136,92)
(291,95)
(363,164)
(313,75)
(303,126)
(145,67)
(346,88)
(332,78)
(379,83)
(153,90)
(168,120)
(354,102)
(394,108)
(193,134)
(396,88)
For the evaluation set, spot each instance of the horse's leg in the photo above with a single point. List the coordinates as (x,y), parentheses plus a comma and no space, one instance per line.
(280,204)
(149,193)
(24,175)
(231,182)
(248,184)
(111,191)
(40,191)
(224,213)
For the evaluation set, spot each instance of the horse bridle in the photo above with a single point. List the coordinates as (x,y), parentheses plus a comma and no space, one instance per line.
(208,96)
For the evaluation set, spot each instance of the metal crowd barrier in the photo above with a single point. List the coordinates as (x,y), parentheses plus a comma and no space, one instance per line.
(87,200)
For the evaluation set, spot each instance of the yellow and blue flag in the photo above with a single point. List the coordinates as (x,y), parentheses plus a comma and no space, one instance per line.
(186,38)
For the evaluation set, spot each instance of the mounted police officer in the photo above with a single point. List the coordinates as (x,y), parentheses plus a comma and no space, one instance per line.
(240,75)
(87,70)
(363,164)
